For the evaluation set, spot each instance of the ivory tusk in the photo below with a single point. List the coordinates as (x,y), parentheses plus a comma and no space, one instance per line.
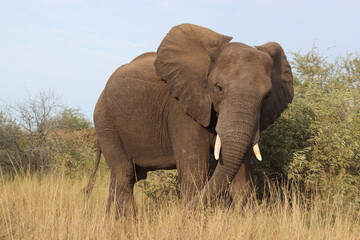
(217,147)
(257,152)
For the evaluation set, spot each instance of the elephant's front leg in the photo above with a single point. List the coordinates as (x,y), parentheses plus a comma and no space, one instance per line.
(192,169)
(191,147)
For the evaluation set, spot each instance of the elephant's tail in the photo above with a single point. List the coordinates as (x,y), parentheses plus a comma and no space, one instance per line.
(87,190)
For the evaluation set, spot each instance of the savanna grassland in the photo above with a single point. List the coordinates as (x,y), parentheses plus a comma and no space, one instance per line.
(53,207)
(307,186)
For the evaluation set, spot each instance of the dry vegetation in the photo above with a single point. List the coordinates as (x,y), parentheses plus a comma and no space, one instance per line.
(47,151)
(52,207)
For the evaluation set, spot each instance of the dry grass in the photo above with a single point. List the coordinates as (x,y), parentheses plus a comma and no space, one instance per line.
(52,207)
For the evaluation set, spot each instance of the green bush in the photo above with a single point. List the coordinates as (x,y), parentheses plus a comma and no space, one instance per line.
(71,119)
(159,185)
(316,140)
(73,153)
(10,135)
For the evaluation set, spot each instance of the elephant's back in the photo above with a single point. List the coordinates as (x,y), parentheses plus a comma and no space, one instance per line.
(135,86)
(149,55)
(139,71)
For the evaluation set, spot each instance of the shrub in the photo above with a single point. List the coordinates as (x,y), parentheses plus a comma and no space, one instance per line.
(30,138)
(159,185)
(73,153)
(316,140)
(71,119)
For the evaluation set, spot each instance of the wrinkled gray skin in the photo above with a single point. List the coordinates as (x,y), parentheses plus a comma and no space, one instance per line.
(163,111)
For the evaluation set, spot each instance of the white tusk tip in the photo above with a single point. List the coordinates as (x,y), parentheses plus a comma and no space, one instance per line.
(257,152)
(217,147)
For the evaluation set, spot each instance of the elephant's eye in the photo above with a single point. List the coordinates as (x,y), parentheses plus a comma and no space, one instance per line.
(219,88)
(268,94)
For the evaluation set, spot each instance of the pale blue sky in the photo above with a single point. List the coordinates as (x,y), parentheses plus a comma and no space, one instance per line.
(74,46)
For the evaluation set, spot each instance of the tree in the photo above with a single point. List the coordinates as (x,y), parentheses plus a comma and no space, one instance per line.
(29,133)
(72,119)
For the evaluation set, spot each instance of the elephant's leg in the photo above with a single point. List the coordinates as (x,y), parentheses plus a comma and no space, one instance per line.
(191,149)
(122,176)
(121,190)
(192,170)
(242,185)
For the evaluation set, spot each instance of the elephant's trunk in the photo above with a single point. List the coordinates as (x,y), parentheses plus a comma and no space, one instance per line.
(236,135)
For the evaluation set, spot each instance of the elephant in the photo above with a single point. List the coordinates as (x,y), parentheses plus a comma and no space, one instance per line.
(170,109)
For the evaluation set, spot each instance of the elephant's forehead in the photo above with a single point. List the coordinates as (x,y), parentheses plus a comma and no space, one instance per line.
(240,66)
(242,62)
(236,53)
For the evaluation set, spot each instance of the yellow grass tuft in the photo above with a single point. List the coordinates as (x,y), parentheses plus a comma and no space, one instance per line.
(53,207)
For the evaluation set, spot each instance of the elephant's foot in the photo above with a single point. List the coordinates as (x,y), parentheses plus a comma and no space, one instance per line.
(124,207)
(121,194)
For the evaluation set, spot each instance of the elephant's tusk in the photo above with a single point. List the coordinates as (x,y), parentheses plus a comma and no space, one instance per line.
(257,152)
(217,147)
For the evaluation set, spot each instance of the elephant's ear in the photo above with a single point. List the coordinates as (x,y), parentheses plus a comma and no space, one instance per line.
(282,85)
(183,61)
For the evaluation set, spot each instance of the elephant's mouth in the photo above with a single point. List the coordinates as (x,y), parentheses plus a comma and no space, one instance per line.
(217,149)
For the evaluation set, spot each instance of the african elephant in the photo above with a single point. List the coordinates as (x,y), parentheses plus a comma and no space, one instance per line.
(169,109)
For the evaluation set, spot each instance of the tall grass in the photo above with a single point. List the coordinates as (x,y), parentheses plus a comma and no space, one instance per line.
(53,207)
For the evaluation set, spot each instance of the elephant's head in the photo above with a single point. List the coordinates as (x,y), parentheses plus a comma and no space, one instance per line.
(247,87)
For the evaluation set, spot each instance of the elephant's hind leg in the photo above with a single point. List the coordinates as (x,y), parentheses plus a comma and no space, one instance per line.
(121,193)
(122,176)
